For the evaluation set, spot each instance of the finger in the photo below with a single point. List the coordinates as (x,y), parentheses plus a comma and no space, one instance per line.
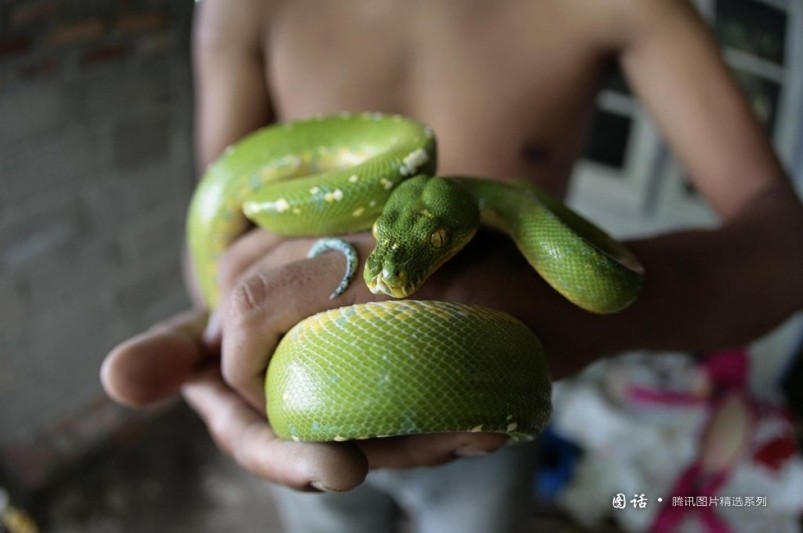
(264,306)
(429,449)
(253,247)
(254,251)
(153,365)
(244,434)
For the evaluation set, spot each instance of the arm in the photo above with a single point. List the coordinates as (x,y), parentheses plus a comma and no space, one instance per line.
(231,96)
(717,288)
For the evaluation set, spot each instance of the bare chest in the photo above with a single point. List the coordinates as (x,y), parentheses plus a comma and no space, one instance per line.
(508,96)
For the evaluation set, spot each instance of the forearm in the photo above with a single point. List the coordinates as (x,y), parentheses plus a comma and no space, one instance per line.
(710,289)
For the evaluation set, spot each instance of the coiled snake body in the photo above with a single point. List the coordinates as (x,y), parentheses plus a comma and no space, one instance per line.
(406,366)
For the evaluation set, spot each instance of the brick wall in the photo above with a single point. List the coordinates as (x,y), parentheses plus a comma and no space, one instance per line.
(95,174)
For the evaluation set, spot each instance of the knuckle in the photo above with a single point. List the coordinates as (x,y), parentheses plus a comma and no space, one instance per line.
(249,296)
(254,291)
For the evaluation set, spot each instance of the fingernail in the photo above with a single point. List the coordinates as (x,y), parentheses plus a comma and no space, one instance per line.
(469,451)
(212,329)
(317,485)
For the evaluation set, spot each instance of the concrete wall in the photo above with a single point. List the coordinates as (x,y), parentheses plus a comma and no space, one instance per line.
(95,173)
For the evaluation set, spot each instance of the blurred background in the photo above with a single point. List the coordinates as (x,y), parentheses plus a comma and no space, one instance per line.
(96,169)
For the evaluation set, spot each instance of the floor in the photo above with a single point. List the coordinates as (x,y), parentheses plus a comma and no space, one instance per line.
(171,478)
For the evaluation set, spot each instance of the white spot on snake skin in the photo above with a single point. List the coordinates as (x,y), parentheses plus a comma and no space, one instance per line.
(229,149)
(358,212)
(386,183)
(315,190)
(372,203)
(476,429)
(413,162)
(280,206)
(354,178)
(338,438)
(334,196)
(296,210)
(512,426)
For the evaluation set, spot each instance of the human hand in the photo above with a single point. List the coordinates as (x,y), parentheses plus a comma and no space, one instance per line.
(268,286)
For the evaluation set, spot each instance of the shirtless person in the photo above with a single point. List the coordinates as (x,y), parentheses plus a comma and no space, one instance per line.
(508,86)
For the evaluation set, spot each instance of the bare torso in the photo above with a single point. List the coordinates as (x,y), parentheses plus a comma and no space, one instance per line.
(473,70)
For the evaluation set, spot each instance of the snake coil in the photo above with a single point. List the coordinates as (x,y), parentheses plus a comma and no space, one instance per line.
(406,366)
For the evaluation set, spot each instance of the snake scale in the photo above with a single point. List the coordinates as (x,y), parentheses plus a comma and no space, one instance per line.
(401,366)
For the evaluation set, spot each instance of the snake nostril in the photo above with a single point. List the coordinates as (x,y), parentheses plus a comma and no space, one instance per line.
(393,275)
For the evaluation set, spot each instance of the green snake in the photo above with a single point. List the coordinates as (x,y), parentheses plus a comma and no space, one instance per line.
(402,366)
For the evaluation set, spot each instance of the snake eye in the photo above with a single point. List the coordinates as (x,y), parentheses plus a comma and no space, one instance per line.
(438,238)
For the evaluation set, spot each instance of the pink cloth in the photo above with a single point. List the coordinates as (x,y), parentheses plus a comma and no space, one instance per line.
(727,371)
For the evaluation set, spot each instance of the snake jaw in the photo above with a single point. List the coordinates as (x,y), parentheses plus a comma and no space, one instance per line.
(380,284)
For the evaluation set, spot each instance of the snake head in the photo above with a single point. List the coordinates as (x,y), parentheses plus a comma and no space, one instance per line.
(425,222)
